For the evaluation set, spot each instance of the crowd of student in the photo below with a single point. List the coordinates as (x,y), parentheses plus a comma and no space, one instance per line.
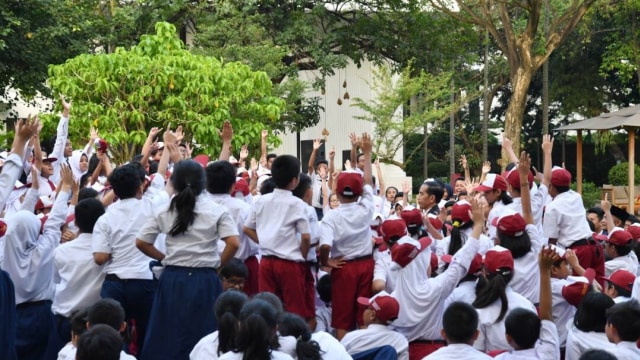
(173,257)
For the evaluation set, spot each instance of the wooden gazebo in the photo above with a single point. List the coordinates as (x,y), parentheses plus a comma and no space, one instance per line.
(627,119)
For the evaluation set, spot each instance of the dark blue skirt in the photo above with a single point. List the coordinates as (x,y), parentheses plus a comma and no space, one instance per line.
(182,312)
(7,317)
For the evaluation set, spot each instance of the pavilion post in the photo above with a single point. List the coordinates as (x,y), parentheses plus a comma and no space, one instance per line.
(579,163)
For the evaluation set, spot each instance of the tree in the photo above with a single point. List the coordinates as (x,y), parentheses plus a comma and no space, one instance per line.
(160,83)
(514,26)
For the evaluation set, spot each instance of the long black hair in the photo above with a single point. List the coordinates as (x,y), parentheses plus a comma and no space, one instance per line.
(294,325)
(188,181)
(257,332)
(227,310)
(458,237)
(518,245)
(491,288)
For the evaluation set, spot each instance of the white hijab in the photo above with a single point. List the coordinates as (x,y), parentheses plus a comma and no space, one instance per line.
(74,161)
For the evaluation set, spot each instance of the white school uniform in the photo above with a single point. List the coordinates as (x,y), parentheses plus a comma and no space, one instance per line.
(71,355)
(635,291)
(331,348)
(626,350)
(563,312)
(67,352)
(464,292)
(314,232)
(578,342)
(275,355)
(526,276)
(627,262)
(206,348)
(375,335)
(323,318)
(239,211)
(78,278)
(496,211)
(62,132)
(457,351)
(382,270)
(565,220)
(547,347)
(492,333)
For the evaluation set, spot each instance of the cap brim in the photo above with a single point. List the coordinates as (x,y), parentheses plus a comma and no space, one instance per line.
(424,242)
(482,188)
(446,258)
(50,159)
(590,274)
(364,301)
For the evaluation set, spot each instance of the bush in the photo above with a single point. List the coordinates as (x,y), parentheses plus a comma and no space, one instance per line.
(438,170)
(591,194)
(619,174)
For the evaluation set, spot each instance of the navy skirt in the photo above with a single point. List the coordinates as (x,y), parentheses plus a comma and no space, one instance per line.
(8,317)
(182,312)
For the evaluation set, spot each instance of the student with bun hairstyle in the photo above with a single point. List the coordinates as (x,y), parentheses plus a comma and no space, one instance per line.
(317,346)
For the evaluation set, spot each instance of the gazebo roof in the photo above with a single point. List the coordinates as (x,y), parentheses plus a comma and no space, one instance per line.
(629,116)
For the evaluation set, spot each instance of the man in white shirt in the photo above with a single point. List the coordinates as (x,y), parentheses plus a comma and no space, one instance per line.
(460,329)
(623,329)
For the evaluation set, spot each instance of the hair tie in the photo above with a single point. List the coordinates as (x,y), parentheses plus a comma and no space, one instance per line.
(456,223)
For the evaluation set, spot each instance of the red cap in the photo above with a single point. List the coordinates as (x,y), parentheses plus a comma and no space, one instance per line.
(393,227)
(433,263)
(385,306)
(202,160)
(619,236)
(622,278)
(560,177)
(510,223)
(102,145)
(50,159)
(513,178)
(243,186)
(412,217)
(3,228)
(460,212)
(492,182)
(498,258)
(634,230)
(435,221)
(403,254)
(349,184)
(574,293)
(474,267)
(600,237)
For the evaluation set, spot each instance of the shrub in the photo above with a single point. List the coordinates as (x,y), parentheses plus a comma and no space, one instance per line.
(619,174)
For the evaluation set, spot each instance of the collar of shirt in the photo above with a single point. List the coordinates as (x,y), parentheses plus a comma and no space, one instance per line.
(283,192)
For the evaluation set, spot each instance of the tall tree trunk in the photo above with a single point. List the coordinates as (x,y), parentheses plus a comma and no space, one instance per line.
(513,119)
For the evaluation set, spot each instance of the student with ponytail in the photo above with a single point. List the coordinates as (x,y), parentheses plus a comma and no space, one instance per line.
(317,346)
(182,311)
(227,311)
(257,334)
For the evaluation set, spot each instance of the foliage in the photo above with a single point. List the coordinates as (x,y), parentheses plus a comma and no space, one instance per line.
(591,194)
(619,174)
(159,83)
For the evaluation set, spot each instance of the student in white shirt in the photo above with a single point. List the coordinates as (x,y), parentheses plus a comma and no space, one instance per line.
(623,329)
(466,289)
(380,311)
(78,327)
(619,285)
(318,345)
(494,188)
(257,334)
(588,330)
(182,311)
(618,248)
(531,335)
(227,311)
(78,278)
(323,308)
(460,330)
(100,339)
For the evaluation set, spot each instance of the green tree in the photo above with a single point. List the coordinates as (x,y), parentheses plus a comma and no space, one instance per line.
(160,83)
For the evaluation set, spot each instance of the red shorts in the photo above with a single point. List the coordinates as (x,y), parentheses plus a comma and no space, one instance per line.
(347,284)
(287,280)
(251,284)
(420,349)
(310,285)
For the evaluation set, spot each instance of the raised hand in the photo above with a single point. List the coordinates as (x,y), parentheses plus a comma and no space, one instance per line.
(605,204)
(463,161)
(66,106)
(406,187)
(317,144)
(67,177)
(477,210)
(506,143)
(254,164)
(547,143)
(524,165)
(265,133)
(179,134)
(169,137)
(365,143)
(332,153)
(546,258)
(244,152)
(347,165)
(486,167)
(227,131)
(93,134)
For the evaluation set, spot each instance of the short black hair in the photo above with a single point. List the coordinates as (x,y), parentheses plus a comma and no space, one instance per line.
(435,188)
(623,250)
(100,342)
(596,354)
(106,311)
(271,156)
(125,181)
(234,267)
(87,193)
(621,291)
(221,176)
(460,322)
(284,169)
(591,313)
(79,321)
(562,189)
(267,186)
(324,288)
(87,213)
(303,185)
(596,210)
(523,326)
(625,317)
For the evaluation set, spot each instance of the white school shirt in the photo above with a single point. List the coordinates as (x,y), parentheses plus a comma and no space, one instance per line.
(492,333)
(382,270)
(562,312)
(626,350)
(206,348)
(28,256)
(635,290)
(314,232)
(627,262)
(331,348)
(620,299)
(376,335)
(547,347)
(116,231)
(316,187)
(578,342)
(323,318)
(465,292)
(347,229)
(275,355)
(62,132)
(496,211)
(67,352)
(565,220)
(11,171)
(198,246)
(78,278)
(457,352)
(239,211)
(421,298)
(277,217)
(71,355)
(526,274)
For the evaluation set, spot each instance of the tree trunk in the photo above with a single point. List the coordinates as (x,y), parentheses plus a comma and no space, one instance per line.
(513,119)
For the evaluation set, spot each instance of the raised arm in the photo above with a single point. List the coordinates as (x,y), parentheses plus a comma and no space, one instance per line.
(545,261)
(606,207)
(148,144)
(354,148)
(525,194)
(332,166)
(312,158)
(227,135)
(12,167)
(547,147)
(263,147)
(93,136)
(507,147)
(367,146)
(381,183)
(486,168)
(465,166)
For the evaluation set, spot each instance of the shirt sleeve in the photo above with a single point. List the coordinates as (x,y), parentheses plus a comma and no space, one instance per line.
(548,345)
(10,173)
(51,232)
(226,226)
(448,280)
(302,224)
(149,231)
(550,223)
(250,222)
(62,133)
(327,234)
(379,270)
(101,234)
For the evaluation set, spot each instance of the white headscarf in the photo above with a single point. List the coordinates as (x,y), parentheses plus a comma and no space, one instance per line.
(74,161)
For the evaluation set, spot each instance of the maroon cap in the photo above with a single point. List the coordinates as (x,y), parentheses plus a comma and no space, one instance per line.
(50,159)
(412,217)
(349,184)
(393,227)
(574,293)
(492,182)
(3,228)
(242,186)
(474,267)
(102,145)
(202,160)
(386,306)
(619,236)
(513,178)
(403,254)
(510,223)
(435,221)
(498,258)
(634,230)
(460,212)
(560,177)
(622,278)
(600,237)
